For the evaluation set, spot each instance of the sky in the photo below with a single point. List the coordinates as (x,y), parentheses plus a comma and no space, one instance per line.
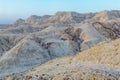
(11,10)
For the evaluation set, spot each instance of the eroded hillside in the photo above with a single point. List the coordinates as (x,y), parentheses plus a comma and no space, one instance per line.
(28,43)
(99,62)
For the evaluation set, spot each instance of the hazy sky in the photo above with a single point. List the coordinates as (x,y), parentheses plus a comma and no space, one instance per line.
(10,10)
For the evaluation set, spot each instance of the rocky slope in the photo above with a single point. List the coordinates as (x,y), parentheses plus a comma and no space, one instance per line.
(28,43)
(99,62)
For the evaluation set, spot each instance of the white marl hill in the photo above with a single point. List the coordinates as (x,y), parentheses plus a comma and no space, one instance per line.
(28,43)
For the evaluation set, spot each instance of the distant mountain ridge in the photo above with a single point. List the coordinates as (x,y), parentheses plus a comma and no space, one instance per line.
(74,17)
(3,25)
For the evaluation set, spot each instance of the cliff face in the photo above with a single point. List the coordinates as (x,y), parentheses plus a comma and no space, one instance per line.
(37,39)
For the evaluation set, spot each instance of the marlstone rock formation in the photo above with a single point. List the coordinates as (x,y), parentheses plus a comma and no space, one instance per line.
(92,64)
(28,43)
